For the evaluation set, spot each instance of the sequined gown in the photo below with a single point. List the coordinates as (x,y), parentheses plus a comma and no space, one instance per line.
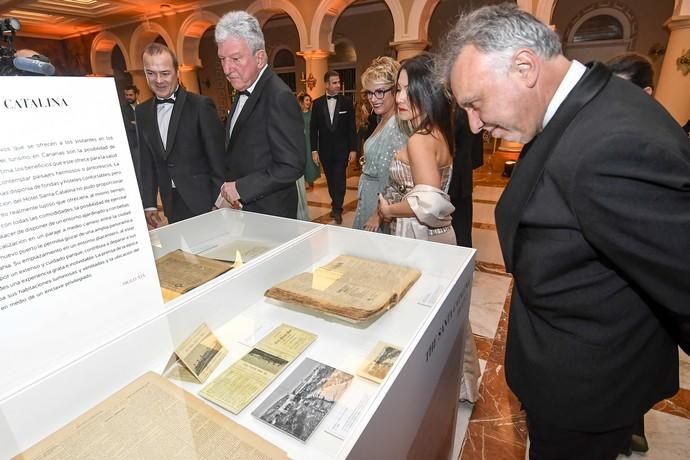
(400,183)
(379,149)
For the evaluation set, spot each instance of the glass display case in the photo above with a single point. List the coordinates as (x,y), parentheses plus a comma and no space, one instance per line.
(371,420)
(228,235)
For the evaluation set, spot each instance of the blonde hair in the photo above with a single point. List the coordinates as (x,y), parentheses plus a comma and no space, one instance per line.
(382,70)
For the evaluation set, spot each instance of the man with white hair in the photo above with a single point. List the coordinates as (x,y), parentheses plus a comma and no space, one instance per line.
(265,130)
(594,226)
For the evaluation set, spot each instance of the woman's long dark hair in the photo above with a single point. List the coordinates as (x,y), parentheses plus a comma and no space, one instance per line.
(427,98)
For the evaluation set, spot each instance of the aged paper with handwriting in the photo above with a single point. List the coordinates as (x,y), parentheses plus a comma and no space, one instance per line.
(246,378)
(180,271)
(153,418)
(353,288)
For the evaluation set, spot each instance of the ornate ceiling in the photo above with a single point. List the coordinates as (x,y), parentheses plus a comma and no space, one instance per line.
(66,18)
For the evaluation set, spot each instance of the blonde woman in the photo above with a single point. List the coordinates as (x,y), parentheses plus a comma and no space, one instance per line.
(378,83)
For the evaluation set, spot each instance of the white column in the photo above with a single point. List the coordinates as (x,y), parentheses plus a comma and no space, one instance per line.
(409,49)
(673,88)
(316,67)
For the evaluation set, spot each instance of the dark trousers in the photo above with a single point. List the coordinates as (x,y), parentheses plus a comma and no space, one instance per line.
(548,442)
(462,220)
(180,211)
(335,170)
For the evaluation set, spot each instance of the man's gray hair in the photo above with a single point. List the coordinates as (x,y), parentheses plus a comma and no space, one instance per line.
(497,29)
(243,26)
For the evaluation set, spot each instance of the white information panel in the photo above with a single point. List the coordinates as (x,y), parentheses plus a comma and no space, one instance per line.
(75,260)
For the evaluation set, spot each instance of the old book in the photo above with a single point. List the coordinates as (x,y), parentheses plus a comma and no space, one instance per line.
(379,362)
(239,384)
(153,418)
(350,287)
(180,271)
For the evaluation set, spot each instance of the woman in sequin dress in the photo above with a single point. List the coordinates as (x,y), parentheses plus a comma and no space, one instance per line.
(416,201)
(378,81)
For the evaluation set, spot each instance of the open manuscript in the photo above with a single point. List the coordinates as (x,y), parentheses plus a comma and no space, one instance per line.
(352,288)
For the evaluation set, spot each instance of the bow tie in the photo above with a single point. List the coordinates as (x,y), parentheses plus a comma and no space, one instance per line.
(244,93)
(331,97)
(168,100)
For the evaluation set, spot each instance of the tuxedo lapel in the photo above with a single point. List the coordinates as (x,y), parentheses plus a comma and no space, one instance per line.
(180,100)
(336,116)
(534,156)
(228,121)
(152,115)
(249,105)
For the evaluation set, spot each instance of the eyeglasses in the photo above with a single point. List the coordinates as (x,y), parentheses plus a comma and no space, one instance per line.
(377,94)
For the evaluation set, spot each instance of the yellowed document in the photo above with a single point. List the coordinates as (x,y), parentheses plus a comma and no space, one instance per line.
(245,379)
(351,287)
(238,252)
(179,272)
(201,353)
(379,362)
(154,419)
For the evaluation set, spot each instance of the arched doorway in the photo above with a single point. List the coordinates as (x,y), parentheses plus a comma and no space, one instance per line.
(282,61)
(282,41)
(120,73)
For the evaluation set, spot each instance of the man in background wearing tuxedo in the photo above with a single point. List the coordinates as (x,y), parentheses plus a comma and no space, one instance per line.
(131,95)
(334,139)
(180,143)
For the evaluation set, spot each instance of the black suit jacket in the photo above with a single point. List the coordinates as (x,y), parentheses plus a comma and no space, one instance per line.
(265,154)
(193,156)
(595,227)
(337,139)
(468,155)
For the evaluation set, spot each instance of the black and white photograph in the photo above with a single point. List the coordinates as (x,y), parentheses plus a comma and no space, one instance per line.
(304,398)
(266,361)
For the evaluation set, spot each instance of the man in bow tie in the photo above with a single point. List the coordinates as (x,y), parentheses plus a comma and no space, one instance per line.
(180,143)
(265,129)
(334,139)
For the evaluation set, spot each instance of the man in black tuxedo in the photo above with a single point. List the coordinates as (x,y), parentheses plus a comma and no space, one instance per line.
(180,143)
(594,226)
(131,95)
(265,129)
(334,139)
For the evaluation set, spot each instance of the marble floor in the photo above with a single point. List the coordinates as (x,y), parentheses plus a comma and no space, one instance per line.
(494,427)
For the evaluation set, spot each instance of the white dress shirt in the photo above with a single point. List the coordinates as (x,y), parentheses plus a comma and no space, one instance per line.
(331,106)
(242,100)
(574,74)
(164,111)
